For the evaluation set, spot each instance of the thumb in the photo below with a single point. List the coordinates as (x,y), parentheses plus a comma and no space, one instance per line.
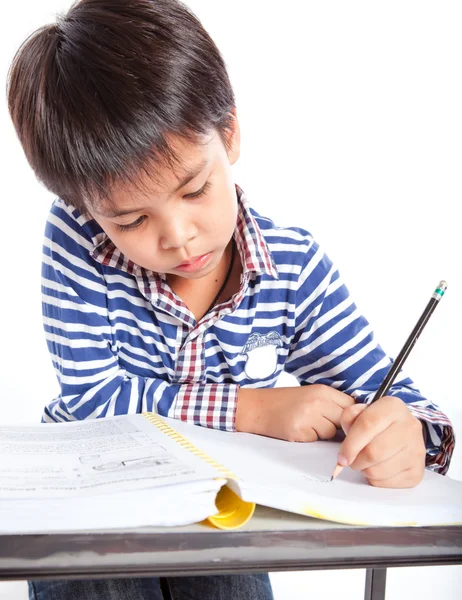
(349,416)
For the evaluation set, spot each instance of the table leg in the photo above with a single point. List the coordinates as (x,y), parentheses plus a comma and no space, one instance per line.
(164,588)
(376,580)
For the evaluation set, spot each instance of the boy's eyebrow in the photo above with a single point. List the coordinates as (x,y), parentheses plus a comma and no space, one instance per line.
(187,177)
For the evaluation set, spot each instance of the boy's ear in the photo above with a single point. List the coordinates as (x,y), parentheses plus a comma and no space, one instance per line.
(234,140)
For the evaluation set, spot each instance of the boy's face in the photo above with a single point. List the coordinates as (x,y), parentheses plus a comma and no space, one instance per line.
(167,226)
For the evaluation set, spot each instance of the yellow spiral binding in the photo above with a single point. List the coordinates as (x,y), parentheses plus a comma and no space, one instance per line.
(233,512)
(179,439)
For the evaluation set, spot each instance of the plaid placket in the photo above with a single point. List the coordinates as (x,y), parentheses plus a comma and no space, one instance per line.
(207,404)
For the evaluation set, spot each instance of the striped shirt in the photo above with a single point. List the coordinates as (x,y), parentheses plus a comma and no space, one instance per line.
(122,341)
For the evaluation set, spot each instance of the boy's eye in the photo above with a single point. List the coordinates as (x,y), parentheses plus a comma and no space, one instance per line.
(133,225)
(201,192)
(141,219)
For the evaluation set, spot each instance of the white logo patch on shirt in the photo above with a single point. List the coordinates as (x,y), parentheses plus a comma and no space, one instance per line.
(262,354)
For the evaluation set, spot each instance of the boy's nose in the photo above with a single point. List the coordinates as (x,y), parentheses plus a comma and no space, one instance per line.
(176,233)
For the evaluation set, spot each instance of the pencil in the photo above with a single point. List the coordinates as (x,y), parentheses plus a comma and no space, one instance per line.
(406,349)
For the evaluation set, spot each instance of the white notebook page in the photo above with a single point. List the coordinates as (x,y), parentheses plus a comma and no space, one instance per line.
(296,477)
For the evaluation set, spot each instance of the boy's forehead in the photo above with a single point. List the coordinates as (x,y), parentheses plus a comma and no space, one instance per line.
(190,160)
(160,176)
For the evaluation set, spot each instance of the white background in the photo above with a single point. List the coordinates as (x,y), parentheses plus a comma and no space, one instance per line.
(351,128)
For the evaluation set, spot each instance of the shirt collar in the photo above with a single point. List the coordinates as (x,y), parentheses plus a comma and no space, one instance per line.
(251,245)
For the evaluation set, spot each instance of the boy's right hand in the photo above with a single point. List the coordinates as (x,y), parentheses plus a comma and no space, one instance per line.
(296,414)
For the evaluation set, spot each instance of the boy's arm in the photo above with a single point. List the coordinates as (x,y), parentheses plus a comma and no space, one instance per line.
(334,345)
(84,353)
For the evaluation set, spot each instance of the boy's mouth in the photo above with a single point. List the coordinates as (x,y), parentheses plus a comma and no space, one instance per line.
(195,264)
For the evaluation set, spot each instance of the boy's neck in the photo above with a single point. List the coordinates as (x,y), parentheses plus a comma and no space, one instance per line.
(198,294)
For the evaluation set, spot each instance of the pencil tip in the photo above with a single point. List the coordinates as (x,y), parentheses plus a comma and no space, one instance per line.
(338,469)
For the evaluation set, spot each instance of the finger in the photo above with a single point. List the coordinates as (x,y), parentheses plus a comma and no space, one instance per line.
(367,425)
(404,479)
(382,448)
(340,398)
(389,469)
(307,434)
(349,416)
(332,412)
(325,429)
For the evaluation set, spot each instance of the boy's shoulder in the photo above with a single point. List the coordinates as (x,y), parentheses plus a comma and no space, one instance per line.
(285,241)
(66,220)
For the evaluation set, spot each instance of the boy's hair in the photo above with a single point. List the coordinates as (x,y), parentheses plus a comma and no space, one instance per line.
(94,96)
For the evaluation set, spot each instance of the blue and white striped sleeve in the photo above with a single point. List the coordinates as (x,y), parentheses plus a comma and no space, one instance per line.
(84,352)
(334,345)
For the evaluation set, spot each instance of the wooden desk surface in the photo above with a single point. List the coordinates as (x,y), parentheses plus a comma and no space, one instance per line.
(273,540)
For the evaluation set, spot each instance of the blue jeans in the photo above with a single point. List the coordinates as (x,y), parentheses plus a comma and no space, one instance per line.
(216,587)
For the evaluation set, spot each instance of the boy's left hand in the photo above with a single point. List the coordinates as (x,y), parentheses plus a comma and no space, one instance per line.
(384,442)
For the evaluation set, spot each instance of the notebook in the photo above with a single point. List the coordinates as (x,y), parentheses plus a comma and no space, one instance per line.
(146,470)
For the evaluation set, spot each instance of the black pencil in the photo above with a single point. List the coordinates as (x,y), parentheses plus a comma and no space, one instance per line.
(400,359)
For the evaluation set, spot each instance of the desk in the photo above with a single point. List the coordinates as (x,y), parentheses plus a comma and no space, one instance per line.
(272,541)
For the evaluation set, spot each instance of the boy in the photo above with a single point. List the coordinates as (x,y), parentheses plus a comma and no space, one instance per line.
(163,290)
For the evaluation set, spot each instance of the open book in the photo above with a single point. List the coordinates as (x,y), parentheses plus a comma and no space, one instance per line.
(143,469)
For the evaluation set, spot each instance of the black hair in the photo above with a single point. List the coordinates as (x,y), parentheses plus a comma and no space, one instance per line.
(95,96)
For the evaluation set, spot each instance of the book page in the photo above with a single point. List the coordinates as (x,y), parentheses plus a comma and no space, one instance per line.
(112,473)
(93,457)
(296,477)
